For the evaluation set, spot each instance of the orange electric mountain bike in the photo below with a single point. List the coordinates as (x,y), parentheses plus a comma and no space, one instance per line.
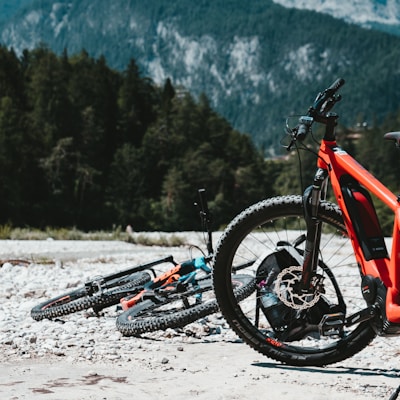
(327,280)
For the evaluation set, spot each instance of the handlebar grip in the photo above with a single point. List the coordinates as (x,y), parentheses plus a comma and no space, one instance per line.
(336,85)
(325,95)
(203,201)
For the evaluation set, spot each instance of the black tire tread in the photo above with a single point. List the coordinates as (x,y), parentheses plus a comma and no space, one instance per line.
(282,205)
(80,300)
(130,326)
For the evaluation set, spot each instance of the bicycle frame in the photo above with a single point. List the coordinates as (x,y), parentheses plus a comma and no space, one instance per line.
(98,285)
(184,273)
(337,164)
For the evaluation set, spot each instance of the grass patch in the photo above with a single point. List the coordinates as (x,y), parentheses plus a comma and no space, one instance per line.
(156,240)
(7,232)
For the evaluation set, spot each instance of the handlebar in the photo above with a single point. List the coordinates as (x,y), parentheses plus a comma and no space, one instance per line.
(318,112)
(326,97)
(336,85)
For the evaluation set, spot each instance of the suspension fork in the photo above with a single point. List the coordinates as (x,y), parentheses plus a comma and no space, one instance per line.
(312,197)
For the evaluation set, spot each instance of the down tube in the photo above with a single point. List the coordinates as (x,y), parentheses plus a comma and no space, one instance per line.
(388,270)
(393,295)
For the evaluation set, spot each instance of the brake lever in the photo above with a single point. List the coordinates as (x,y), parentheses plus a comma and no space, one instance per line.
(292,132)
(300,131)
(328,105)
(291,144)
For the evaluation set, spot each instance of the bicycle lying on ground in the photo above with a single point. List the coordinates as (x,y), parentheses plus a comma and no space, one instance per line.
(325,282)
(174,298)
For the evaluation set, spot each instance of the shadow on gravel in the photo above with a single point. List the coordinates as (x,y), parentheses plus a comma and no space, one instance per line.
(393,373)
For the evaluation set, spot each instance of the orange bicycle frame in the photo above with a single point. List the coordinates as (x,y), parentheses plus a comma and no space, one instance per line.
(172,275)
(340,165)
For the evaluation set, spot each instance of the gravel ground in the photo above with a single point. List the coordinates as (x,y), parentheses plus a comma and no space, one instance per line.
(83,356)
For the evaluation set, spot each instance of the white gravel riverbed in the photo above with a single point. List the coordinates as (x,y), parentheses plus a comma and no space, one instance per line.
(83,356)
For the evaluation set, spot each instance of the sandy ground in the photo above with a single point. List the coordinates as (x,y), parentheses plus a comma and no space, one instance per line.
(220,371)
(165,369)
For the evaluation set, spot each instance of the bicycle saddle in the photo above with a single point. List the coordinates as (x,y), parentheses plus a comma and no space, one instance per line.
(393,136)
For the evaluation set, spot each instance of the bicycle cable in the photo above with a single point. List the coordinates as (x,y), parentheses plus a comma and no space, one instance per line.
(299,145)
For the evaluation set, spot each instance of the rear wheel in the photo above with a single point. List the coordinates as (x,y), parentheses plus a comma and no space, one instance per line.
(79,299)
(276,320)
(179,308)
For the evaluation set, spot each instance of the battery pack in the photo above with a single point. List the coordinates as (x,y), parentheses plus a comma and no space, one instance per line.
(364,218)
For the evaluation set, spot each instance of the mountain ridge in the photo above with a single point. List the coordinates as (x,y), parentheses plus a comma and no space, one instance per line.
(257,62)
(376,14)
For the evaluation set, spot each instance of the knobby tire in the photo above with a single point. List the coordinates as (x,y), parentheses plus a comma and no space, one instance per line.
(150,316)
(79,299)
(289,336)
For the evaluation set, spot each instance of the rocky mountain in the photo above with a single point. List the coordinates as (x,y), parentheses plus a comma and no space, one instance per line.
(377,14)
(257,61)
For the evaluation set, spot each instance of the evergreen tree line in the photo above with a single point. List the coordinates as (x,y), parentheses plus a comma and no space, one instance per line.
(85,146)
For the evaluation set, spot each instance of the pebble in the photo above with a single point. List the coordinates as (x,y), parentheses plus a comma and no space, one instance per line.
(80,335)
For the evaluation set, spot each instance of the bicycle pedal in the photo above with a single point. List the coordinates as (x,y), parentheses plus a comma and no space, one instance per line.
(332,324)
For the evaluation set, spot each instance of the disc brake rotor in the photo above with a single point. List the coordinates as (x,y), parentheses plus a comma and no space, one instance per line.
(286,285)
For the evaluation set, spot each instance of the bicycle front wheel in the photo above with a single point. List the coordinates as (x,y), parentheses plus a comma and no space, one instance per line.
(79,299)
(178,309)
(302,330)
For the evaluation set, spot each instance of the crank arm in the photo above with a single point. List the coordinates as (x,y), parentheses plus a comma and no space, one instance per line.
(361,316)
